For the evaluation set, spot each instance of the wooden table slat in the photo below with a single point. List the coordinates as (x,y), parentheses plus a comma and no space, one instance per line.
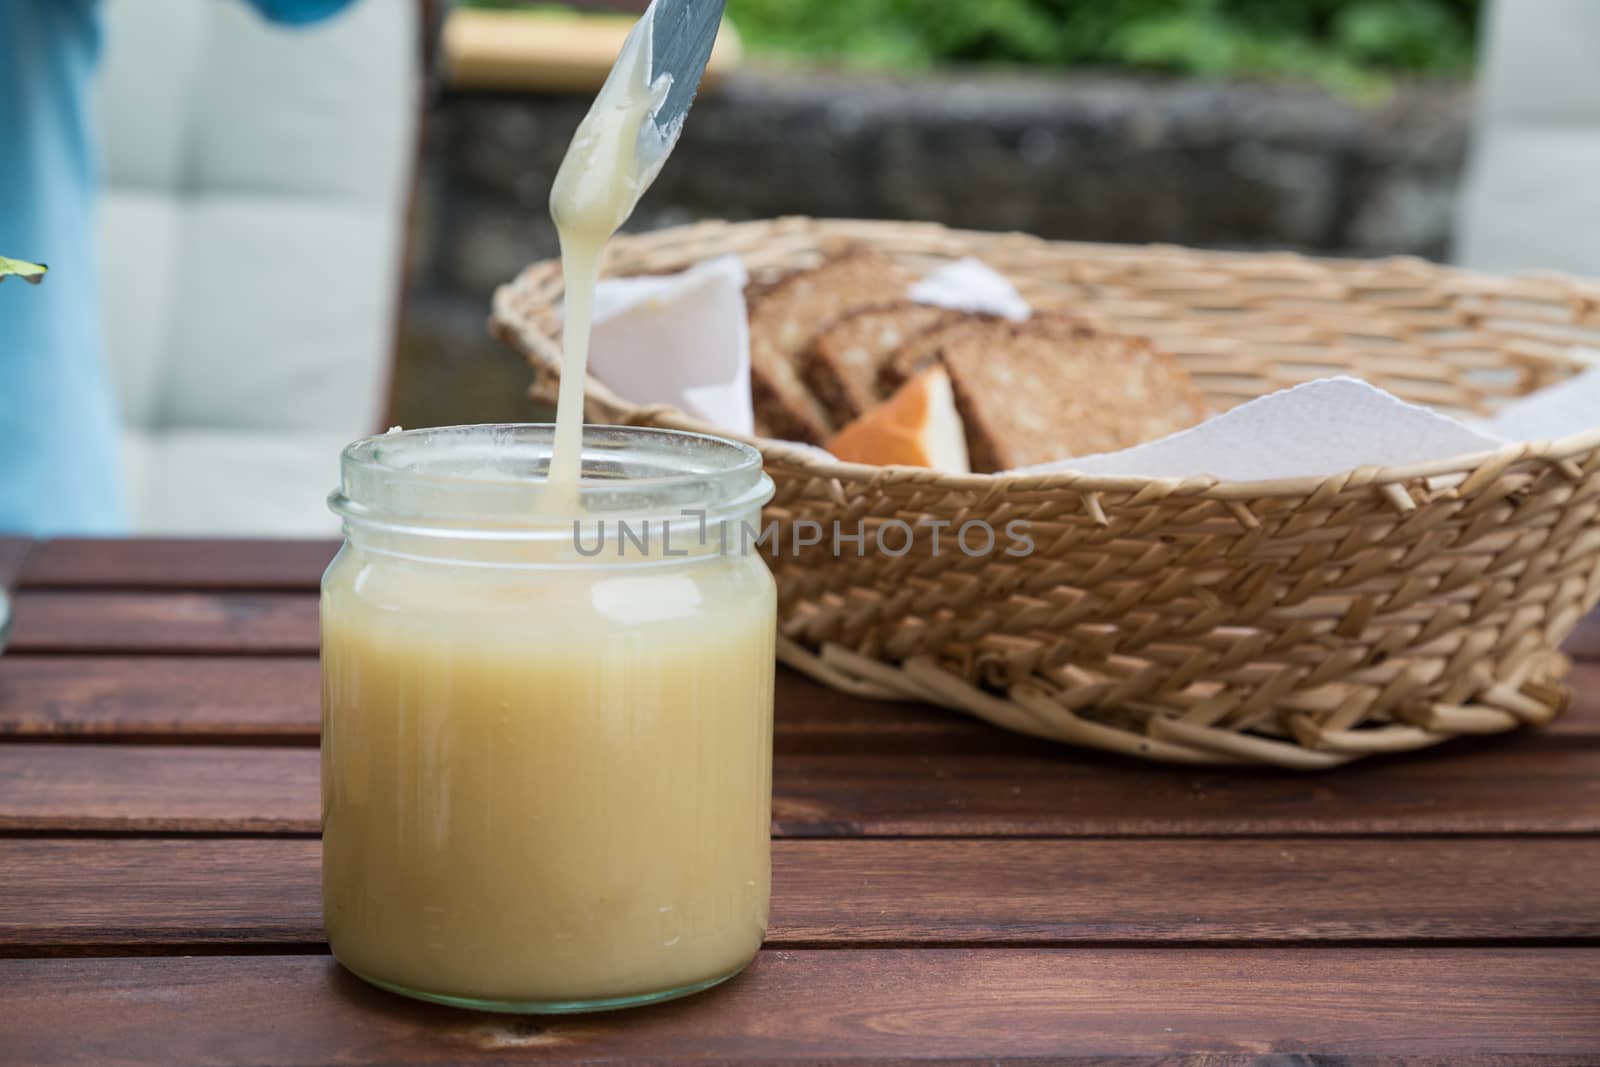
(96,621)
(187,893)
(279,698)
(189,623)
(844,1006)
(1519,785)
(151,788)
(173,697)
(178,563)
(14,552)
(189,698)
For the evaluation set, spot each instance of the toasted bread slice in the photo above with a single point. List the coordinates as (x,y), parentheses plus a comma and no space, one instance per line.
(922,351)
(842,366)
(1031,393)
(785,319)
(917,427)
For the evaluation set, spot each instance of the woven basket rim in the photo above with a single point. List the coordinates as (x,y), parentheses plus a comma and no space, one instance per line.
(511,327)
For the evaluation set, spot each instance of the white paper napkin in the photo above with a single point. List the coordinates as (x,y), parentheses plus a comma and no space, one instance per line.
(970,284)
(1319,428)
(679,339)
(1566,408)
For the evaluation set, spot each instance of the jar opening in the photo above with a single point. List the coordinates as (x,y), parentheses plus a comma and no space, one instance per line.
(491,478)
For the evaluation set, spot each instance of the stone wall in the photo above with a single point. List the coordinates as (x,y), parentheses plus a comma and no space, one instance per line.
(1088,158)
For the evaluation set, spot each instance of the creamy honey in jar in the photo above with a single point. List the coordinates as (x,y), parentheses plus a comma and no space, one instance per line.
(547,732)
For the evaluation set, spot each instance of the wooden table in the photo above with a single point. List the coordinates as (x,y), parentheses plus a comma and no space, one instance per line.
(942,890)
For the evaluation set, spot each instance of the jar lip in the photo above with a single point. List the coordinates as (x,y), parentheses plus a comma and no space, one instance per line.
(493,475)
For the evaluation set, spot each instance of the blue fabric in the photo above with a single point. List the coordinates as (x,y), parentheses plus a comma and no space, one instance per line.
(59,464)
(59,444)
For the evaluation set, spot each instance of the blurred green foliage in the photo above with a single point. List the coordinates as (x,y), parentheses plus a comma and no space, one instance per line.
(1350,46)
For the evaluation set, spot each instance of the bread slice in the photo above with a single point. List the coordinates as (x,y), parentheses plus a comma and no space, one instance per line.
(842,366)
(922,351)
(785,319)
(917,427)
(1034,392)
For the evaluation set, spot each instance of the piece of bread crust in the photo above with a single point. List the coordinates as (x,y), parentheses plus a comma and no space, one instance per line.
(917,427)
(787,316)
(843,363)
(1031,393)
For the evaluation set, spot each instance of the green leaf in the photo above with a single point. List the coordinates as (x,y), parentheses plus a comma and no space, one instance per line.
(28,272)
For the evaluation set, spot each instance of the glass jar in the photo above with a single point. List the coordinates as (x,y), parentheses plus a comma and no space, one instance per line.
(547,741)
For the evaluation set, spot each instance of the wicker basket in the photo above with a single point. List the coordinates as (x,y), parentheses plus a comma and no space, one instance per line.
(1301,623)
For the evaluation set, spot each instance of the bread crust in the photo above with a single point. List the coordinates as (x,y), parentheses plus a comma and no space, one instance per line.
(842,366)
(785,319)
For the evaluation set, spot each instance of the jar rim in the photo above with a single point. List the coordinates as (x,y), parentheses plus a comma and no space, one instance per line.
(489,478)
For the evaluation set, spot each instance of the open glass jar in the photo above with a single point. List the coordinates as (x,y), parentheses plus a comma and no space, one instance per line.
(547,740)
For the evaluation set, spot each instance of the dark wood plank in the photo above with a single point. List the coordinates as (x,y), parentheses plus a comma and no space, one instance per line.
(167,891)
(164,622)
(14,552)
(1214,1006)
(1171,890)
(1513,786)
(1520,785)
(186,894)
(217,698)
(135,697)
(279,622)
(229,697)
(173,564)
(89,621)
(158,788)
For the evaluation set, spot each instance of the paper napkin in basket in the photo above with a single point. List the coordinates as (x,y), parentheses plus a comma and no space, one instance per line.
(1319,428)
(1568,407)
(970,284)
(1338,424)
(680,339)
